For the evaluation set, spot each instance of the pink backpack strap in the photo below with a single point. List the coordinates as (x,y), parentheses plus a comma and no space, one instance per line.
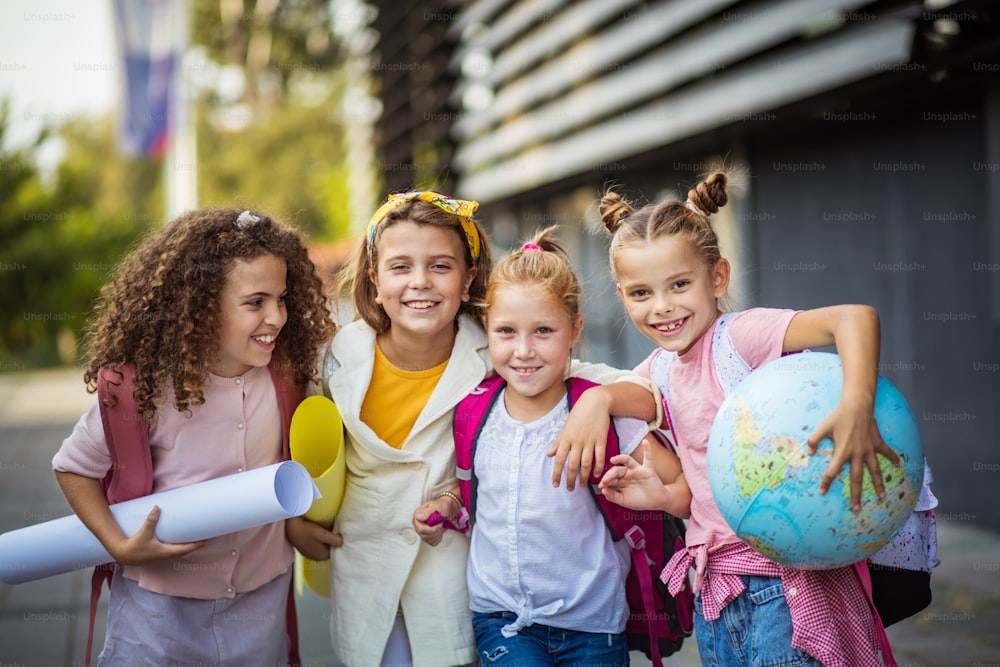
(861,568)
(289,396)
(102,573)
(127,436)
(470,415)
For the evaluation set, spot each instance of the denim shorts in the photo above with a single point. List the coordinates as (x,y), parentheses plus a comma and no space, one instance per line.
(538,645)
(754,630)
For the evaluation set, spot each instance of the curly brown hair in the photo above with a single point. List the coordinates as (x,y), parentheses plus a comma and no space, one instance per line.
(160,311)
(355,276)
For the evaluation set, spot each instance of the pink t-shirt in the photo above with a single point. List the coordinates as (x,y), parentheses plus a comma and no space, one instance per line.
(237,428)
(695,398)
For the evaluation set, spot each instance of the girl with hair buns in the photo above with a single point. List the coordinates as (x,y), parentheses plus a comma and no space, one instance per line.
(217,318)
(748,609)
(396,373)
(546,580)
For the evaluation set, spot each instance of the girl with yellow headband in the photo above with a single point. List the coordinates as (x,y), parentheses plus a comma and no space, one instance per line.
(396,373)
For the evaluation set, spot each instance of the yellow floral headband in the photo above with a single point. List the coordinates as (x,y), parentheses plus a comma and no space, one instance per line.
(458,207)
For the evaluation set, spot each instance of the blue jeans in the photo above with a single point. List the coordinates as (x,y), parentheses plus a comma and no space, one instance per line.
(542,645)
(754,630)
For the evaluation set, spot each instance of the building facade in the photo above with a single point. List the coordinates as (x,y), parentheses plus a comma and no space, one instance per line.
(868,134)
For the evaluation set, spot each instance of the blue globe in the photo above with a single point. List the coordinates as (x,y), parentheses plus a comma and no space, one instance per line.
(766,484)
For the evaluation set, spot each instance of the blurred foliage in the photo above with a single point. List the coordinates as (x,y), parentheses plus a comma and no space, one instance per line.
(289,167)
(267,39)
(277,146)
(60,240)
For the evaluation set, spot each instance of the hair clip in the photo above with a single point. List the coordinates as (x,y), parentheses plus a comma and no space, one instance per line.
(532,246)
(246,219)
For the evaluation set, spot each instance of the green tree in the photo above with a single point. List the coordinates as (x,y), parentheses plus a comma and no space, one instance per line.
(61,234)
(280,145)
(59,240)
(270,41)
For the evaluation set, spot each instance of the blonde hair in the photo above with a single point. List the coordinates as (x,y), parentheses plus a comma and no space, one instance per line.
(691,217)
(543,263)
(354,278)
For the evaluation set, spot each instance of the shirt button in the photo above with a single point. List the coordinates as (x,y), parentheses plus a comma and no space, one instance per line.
(792,591)
(240,426)
(409,536)
(239,470)
(239,380)
(234,552)
(229,589)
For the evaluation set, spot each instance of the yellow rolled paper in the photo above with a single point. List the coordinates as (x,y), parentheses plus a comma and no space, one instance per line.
(316,439)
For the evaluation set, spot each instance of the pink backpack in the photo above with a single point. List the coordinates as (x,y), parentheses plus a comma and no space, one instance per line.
(657,623)
(131,473)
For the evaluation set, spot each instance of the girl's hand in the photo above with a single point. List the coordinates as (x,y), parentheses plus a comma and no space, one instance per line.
(582,441)
(144,547)
(857,440)
(311,539)
(432,535)
(632,484)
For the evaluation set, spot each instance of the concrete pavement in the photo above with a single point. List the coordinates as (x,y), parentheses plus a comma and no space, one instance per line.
(44,623)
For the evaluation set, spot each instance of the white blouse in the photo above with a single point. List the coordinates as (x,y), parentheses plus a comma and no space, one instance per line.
(542,552)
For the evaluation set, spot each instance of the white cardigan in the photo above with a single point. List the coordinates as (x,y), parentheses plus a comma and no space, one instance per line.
(383,565)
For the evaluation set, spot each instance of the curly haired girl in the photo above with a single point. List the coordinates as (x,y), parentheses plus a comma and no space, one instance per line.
(207,315)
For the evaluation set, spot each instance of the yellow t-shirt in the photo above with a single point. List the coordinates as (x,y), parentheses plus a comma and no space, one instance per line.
(396,397)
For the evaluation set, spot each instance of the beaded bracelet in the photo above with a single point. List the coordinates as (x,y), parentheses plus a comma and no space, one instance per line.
(449,494)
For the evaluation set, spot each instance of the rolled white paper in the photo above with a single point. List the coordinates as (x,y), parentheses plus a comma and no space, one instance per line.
(187,514)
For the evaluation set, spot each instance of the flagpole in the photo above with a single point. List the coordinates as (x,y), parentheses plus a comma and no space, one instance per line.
(181,160)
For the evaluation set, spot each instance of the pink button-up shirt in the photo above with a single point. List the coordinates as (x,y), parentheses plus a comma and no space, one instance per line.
(237,428)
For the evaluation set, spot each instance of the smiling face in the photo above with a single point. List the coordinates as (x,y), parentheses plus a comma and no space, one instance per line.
(252,313)
(669,291)
(531,337)
(421,280)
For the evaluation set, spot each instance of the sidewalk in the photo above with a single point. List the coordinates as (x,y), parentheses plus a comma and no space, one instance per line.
(44,623)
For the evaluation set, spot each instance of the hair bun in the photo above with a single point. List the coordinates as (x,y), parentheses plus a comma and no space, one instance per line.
(710,195)
(614,210)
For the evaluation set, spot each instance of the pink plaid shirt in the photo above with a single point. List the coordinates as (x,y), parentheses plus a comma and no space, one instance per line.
(817,600)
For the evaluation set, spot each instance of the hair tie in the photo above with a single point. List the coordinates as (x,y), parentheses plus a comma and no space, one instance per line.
(694,207)
(532,246)
(245,219)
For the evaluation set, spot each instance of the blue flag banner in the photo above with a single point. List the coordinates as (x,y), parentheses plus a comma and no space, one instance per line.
(150,50)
